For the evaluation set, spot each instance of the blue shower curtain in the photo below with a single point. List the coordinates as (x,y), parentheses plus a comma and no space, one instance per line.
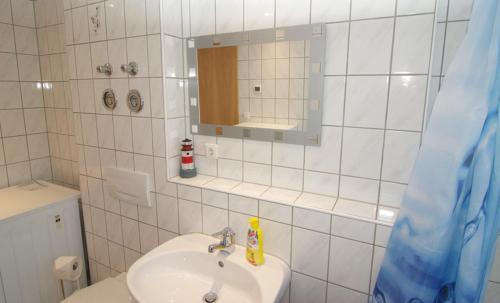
(443,240)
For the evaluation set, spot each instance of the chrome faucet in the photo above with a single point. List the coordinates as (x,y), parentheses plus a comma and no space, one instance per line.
(227,242)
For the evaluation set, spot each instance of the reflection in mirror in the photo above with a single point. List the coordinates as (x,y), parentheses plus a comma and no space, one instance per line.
(257,85)
(254,84)
(218,85)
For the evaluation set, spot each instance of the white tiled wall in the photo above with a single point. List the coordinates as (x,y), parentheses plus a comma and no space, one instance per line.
(129,30)
(56,89)
(377,62)
(24,152)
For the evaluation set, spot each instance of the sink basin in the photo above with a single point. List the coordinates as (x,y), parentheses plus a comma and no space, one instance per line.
(182,270)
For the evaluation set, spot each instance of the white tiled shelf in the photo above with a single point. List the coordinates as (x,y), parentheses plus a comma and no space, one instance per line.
(272,197)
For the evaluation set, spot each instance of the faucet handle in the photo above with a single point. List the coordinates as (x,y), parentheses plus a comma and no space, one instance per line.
(226,232)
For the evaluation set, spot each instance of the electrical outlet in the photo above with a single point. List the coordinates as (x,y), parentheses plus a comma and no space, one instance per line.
(212,150)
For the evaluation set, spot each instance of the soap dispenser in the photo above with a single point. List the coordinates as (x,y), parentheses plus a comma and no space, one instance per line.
(255,251)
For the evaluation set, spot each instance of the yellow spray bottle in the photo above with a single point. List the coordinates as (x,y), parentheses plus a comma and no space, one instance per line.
(255,251)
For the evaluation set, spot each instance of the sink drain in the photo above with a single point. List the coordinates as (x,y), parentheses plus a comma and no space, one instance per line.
(210,297)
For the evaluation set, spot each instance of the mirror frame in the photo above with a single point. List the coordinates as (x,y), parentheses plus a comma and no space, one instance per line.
(315,33)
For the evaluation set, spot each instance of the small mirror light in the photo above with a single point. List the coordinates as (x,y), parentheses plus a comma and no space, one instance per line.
(194,129)
(193,101)
(192,72)
(191,44)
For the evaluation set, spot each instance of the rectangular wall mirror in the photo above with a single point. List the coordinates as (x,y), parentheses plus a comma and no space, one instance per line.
(261,85)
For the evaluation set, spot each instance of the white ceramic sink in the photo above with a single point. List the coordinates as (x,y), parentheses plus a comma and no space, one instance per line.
(182,270)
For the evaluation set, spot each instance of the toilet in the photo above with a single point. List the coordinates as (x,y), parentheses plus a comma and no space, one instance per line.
(110,290)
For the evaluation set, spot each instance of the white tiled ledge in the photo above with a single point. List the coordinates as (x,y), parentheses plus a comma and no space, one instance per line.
(326,204)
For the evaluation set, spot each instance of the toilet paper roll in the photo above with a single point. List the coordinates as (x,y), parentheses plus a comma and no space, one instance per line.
(68,268)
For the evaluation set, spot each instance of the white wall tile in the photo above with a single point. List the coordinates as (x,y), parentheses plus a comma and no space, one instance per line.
(353,229)
(275,211)
(391,194)
(406,102)
(310,219)
(149,237)
(12,122)
(278,239)
(229,16)
(243,204)
(5,11)
(172,17)
(257,151)
(215,198)
(230,148)
(412,44)
(101,251)
(289,178)
(189,217)
(455,33)
(153,16)
(116,257)
(15,149)
(131,234)
(114,227)
(365,190)
(307,289)
(370,46)
(115,19)
(288,155)
(230,169)
(309,243)
(331,138)
(80,25)
(362,152)
(350,263)
(214,219)
(135,17)
(363,9)
(329,11)
(366,101)
(400,152)
(339,294)
(123,133)
(292,12)
(257,173)
(142,136)
(408,7)
(336,48)
(333,100)
(189,193)
(258,14)
(321,183)
(202,14)
(460,9)
(167,209)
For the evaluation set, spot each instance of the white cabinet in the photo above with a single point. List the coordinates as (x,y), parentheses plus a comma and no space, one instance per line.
(32,239)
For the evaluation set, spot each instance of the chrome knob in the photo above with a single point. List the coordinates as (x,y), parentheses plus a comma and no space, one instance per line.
(132,68)
(106,69)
